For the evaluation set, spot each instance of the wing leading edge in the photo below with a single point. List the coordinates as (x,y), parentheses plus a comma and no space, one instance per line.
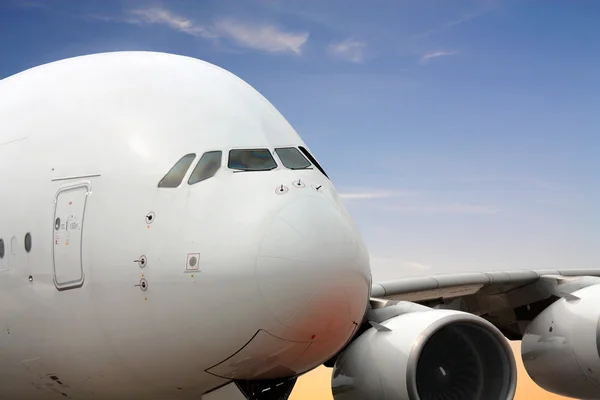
(460,284)
(509,299)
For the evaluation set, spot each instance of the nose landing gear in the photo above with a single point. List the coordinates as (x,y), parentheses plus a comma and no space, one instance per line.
(275,389)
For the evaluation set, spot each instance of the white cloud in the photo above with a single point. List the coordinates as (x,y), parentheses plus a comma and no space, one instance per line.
(450,208)
(161,16)
(387,268)
(451,24)
(262,37)
(374,194)
(417,266)
(405,201)
(349,50)
(485,7)
(435,54)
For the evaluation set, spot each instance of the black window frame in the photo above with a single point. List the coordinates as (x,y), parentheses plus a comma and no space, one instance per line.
(313,160)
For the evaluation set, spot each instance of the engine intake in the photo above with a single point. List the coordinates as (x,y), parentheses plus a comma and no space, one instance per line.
(427,355)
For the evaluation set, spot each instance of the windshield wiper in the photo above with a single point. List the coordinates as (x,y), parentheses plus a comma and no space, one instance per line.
(252,170)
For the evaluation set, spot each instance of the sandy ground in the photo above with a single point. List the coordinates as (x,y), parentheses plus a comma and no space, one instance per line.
(316,385)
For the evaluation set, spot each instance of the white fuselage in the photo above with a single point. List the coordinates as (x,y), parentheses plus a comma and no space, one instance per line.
(130,290)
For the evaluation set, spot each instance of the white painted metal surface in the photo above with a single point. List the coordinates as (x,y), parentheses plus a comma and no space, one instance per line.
(281,278)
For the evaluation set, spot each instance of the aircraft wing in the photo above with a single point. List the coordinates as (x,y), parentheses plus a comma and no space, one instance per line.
(417,328)
(508,299)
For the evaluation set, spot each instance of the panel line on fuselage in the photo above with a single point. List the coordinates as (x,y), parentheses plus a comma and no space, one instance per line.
(75,177)
(14,141)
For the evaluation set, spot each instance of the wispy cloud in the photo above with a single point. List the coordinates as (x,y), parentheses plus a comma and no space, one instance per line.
(348,50)
(161,16)
(486,7)
(450,24)
(425,58)
(449,208)
(374,194)
(417,265)
(413,202)
(385,267)
(264,37)
(513,182)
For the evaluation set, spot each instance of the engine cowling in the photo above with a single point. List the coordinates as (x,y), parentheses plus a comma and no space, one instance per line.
(427,355)
(561,346)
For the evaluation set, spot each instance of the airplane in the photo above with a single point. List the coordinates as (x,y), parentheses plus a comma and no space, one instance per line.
(165,233)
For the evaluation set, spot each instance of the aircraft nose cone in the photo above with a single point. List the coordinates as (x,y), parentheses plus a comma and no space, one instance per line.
(313,269)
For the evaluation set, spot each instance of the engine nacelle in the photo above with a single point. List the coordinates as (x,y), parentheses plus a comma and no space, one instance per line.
(561,346)
(427,355)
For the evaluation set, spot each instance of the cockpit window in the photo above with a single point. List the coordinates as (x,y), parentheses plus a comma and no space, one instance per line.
(292,158)
(312,160)
(175,175)
(207,167)
(251,160)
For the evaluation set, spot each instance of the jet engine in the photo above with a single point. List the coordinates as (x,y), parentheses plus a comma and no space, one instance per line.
(427,355)
(561,346)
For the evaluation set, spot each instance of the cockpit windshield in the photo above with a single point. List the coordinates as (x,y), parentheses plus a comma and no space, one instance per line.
(251,160)
(292,158)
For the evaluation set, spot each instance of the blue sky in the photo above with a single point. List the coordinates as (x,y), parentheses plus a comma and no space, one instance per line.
(464,134)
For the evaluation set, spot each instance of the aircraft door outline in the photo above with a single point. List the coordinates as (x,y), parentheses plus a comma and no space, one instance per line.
(67,232)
